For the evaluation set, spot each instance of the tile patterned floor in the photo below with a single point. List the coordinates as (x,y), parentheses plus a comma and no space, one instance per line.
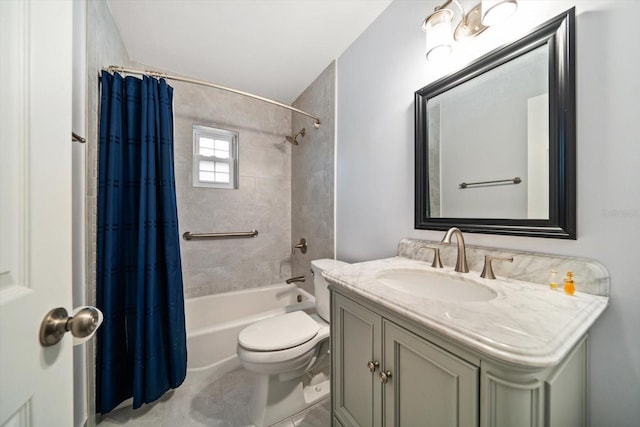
(212,401)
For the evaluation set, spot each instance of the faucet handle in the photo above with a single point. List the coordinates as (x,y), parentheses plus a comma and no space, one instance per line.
(302,246)
(437,263)
(487,271)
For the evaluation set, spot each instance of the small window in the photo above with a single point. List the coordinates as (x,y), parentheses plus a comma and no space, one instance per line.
(215,157)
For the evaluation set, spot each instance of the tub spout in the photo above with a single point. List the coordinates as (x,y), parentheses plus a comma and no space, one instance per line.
(295,279)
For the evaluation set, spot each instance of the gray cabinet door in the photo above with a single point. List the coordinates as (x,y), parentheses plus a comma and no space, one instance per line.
(356,336)
(428,385)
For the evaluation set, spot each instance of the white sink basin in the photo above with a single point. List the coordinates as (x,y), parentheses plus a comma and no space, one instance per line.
(435,285)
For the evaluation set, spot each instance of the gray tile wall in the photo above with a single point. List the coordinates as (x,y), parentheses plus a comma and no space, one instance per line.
(272,174)
(312,175)
(262,201)
(104,48)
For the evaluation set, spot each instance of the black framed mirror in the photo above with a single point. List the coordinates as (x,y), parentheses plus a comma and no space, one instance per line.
(495,143)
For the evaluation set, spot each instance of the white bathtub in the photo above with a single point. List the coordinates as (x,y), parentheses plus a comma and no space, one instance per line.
(213,322)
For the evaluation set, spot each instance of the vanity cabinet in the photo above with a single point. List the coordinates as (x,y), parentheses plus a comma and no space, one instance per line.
(385,375)
(387,371)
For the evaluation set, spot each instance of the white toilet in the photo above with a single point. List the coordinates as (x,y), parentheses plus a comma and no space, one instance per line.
(290,352)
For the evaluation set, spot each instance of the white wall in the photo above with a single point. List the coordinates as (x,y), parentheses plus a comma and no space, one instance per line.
(377,77)
(78,160)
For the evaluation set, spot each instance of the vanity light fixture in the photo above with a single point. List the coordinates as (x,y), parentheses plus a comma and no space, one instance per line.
(438,25)
(496,11)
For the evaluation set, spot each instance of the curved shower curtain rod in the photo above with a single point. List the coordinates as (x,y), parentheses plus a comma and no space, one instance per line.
(115,68)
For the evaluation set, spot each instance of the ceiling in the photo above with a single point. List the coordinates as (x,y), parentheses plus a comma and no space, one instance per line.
(272,48)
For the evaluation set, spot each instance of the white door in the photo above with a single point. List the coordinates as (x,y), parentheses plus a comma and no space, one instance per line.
(35,209)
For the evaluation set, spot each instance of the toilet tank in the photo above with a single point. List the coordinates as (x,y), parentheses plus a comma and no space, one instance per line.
(321,286)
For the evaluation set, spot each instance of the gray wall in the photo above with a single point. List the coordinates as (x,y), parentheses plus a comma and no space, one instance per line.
(312,175)
(104,48)
(262,201)
(377,77)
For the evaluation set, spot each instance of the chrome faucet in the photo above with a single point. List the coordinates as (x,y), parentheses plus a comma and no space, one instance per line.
(461,262)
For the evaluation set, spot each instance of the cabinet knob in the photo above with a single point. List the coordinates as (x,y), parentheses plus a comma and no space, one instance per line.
(373,365)
(384,376)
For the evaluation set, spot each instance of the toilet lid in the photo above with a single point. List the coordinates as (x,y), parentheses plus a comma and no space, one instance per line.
(279,332)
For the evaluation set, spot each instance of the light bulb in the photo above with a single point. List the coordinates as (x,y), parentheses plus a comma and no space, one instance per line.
(439,38)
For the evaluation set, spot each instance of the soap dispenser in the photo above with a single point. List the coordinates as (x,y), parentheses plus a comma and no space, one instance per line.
(553,279)
(569,286)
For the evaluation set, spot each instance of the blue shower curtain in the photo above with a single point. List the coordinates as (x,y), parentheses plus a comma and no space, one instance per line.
(142,343)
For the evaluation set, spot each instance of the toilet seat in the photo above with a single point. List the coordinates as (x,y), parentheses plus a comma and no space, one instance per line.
(252,356)
(279,332)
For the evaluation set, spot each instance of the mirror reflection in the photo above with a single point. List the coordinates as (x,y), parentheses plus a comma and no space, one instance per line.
(488,142)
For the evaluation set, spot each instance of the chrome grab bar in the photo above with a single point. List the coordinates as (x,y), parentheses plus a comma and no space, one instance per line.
(516,180)
(232,235)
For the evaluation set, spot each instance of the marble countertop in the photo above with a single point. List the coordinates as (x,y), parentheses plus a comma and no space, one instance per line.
(526,324)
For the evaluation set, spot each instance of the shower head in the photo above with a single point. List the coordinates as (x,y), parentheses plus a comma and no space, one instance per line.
(294,139)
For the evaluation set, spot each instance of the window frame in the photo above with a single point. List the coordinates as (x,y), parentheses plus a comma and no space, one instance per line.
(200,131)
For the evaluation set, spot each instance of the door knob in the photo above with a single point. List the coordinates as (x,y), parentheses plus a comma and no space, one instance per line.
(384,376)
(373,365)
(57,322)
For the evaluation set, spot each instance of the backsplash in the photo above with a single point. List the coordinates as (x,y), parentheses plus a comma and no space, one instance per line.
(589,276)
